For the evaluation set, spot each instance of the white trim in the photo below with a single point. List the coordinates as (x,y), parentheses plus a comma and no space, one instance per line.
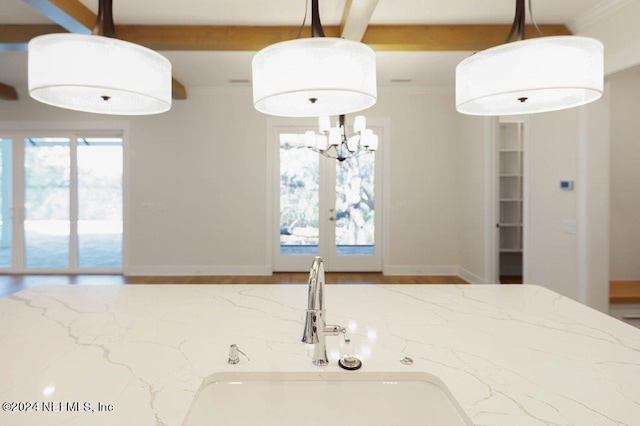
(583,198)
(126,196)
(596,13)
(63,126)
(621,60)
(386,192)
(197,270)
(491,193)
(60,271)
(420,270)
(269,155)
(472,278)
(525,200)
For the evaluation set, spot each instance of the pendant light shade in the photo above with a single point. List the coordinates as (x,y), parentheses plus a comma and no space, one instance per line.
(98,74)
(531,76)
(313,77)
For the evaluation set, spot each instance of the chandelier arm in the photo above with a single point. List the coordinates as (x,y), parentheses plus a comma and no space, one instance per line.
(316,25)
(518,22)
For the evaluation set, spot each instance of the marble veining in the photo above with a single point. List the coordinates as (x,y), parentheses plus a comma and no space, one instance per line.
(510,355)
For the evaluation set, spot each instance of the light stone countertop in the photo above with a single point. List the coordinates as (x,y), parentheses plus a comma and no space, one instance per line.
(510,355)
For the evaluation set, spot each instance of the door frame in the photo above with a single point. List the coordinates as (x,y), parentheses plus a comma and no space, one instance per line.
(274,127)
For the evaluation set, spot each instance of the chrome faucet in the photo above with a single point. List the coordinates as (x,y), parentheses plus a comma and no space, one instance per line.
(315,327)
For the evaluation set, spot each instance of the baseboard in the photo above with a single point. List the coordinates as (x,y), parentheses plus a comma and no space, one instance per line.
(470,277)
(195,270)
(420,270)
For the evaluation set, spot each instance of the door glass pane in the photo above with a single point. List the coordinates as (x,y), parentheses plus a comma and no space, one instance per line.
(99,202)
(46,226)
(299,196)
(6,182)
(355,205)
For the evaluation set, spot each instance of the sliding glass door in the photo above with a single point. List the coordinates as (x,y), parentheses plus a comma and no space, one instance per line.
(99,202)
(46,202)
(61,203)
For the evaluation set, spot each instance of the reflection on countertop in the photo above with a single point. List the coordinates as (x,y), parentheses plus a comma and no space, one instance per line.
(508,354)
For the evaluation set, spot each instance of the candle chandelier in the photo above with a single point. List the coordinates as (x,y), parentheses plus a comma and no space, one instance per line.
(530,76)
(334,142)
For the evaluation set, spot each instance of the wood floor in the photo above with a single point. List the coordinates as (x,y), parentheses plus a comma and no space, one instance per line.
(10,284)
(510,279)
(624,292)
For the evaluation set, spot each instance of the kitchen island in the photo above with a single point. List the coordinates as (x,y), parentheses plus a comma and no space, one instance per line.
(137,354)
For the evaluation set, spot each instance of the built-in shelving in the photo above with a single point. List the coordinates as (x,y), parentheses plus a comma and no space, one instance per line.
(510,153)
(510,197)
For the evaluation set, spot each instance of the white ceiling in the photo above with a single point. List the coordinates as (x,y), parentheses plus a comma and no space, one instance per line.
(193,69)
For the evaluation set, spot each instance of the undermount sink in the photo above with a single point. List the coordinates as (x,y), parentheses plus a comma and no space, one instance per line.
(353,398)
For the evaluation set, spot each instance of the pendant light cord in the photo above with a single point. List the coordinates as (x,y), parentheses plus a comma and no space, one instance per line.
(316,25)
(520,21)
(104,20)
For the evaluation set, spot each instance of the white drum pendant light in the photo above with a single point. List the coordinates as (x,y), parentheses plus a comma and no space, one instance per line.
(314,77)
(98,74)
(530,76)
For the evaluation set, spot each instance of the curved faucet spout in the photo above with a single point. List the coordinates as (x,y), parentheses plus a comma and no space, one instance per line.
(315,303)
(315,328)
(316,285)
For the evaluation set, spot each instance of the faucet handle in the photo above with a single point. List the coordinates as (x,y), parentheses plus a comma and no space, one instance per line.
(335,330)
(345,335)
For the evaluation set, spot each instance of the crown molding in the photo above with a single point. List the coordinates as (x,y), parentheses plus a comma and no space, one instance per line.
(596,13)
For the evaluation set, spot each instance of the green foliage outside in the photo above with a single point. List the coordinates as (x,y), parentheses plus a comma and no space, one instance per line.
(299,195)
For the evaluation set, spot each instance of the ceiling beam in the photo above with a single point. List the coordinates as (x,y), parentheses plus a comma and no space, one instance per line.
(71,15)
(178,91)
(447,37)
(8,93)
(355,18)
(16,37)
(250,38)
(379,37)
(75,17)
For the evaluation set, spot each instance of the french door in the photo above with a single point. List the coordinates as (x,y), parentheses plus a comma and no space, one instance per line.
(61,202)
(324,207)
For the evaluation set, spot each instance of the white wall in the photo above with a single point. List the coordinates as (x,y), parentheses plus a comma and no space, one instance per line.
(569,145)
(203,164)
(615,24)
(198,175)
(423,181)
(474,159)
(551,156)
(594,148)
(625,176)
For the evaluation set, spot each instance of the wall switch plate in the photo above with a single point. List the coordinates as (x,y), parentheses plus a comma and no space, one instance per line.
(569,226)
